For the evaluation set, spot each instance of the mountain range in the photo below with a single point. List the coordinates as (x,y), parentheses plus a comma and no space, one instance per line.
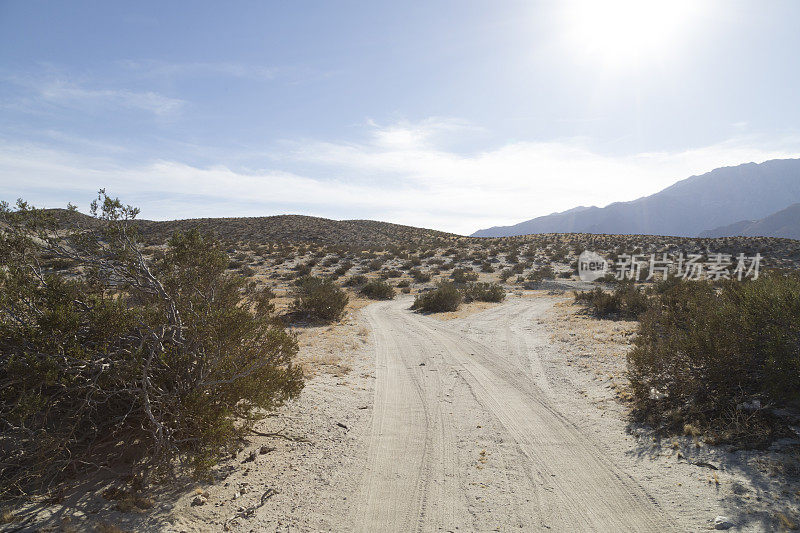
(784,223)
(750,199)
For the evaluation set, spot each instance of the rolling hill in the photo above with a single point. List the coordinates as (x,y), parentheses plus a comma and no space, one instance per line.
(287,228)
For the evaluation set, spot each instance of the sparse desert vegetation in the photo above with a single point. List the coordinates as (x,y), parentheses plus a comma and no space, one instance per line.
(308,289)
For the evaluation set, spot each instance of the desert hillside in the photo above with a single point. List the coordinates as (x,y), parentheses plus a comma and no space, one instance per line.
(376,236)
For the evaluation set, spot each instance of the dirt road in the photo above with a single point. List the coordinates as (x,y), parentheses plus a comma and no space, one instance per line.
(468,434)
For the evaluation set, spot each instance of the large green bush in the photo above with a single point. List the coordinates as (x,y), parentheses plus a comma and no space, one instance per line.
(484,292)
(170,355)
(378,290)
(446,297)
(319,298)
(705,353)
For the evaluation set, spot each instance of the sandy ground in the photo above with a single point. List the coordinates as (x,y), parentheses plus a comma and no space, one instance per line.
(503,417)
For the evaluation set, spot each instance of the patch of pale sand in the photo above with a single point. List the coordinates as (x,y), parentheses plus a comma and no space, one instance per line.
(331,347)
(464,310)
(596,345)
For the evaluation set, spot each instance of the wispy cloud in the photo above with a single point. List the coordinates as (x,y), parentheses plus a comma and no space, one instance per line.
(163,69)
(66,93)
(53,89)
(400,173)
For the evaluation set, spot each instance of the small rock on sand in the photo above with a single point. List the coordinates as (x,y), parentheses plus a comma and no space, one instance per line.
(722,522)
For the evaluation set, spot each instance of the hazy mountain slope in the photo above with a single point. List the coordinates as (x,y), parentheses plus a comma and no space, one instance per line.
(717,198)
(784,223)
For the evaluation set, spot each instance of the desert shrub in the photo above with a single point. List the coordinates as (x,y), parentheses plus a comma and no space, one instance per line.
(664,285)
(343,268)
(319,298)
(403,283)
(484,292)
(59,263)
(626,301)
(391,273)
(559,254)
(302,269)
(704,352)
(539,274)
(174,357)
(446,297)
(609,278)
(461,275)
(505,274)
(419,276)
(405,290)
(356,280)
(486,266)
(247,271)
(413,261)
(375,264)
(378,290)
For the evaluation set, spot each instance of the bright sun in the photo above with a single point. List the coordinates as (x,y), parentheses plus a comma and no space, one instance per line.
(619,33)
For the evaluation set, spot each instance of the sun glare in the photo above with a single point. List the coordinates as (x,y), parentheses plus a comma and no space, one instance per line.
(619,33)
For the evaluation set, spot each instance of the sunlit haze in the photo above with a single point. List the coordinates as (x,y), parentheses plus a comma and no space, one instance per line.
(625,33)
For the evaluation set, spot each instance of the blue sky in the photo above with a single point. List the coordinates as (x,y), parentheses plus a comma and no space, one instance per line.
(448,114)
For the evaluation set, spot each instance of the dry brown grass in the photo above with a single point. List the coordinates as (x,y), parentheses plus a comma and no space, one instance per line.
(7,516)
(464,310)
(599,346)
(330,348)
(108,527)
(127,501)
(786,522)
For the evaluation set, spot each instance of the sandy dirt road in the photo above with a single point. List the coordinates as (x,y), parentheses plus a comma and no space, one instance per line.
(467,434)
